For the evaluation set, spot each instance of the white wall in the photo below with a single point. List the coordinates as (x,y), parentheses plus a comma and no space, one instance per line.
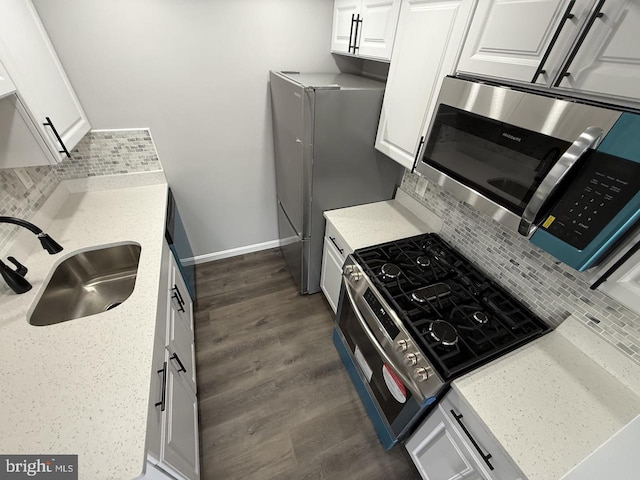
(195,72)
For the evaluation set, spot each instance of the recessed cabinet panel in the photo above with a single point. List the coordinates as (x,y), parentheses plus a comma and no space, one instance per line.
(430,34)
(508,39)
(438,452)
(378,28)
(440,457)
(343,12)
(608,62)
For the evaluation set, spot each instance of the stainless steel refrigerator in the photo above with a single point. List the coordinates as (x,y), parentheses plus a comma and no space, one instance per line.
(324,128)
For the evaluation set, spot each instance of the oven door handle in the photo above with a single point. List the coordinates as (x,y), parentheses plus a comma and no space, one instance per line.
(590,138)
(385,357)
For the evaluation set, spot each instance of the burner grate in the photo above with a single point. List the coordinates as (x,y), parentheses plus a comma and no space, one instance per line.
(435,283)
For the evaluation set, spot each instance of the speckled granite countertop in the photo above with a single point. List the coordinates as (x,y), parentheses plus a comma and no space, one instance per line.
(380,222)
(82,386)
(553,402)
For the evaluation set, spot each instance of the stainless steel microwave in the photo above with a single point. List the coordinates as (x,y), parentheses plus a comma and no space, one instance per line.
(565,174)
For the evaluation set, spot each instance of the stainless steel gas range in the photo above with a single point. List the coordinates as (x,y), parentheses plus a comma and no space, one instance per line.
(414,314)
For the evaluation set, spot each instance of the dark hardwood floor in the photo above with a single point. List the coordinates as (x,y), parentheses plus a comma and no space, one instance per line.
(275,400)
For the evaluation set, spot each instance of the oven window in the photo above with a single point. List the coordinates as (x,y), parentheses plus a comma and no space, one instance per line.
(389,393)
(503,162)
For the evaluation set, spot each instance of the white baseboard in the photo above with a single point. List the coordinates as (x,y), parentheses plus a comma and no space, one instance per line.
(210,257)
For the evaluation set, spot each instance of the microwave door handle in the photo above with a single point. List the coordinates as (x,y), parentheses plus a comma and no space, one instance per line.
(587,139)
(385,357)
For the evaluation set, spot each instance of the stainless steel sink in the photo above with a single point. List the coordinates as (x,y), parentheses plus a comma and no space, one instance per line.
(87,283)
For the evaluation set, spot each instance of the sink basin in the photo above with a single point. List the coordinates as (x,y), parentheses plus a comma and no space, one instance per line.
(88,283)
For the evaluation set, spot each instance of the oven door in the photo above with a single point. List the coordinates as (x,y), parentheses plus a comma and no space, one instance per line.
(391,405)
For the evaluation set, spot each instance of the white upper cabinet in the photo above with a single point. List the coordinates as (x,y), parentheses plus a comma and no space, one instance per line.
(6,85)
(365,28)
(608,61)
(344,16)
(41,83)
(582,46)
(508,39)
(428,41)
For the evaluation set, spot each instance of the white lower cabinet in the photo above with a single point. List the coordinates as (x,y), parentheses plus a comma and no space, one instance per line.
(173,450)
(180,446)
(335,252)
(451,444)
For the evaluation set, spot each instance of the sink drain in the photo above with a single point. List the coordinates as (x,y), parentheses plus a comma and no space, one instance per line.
(112,306)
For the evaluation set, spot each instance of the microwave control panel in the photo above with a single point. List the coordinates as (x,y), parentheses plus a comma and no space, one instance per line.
(604,185)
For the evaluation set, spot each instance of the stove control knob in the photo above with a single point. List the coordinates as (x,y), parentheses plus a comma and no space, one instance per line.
(401,346)
(410,359)
(420,374)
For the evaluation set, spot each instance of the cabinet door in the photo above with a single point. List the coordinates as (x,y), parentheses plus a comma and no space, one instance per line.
(378,28)
(437,452)
(180,450)
(42,85)
(180,298)
(429,37)
(180,338)
(6,85)
(343,27)
(331,274)
(608,62)
(508,39)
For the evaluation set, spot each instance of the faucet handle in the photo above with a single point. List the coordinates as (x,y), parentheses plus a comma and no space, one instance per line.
(20,269)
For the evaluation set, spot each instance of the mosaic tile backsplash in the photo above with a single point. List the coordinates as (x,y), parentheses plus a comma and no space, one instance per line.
(100,152)
(552,290)
(18,201)
(110,152)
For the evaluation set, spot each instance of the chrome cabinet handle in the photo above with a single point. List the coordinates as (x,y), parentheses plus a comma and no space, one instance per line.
(564,72)
(385,357)
(177,359)
(567,16)
(64,150)
(587,139)
(163,401)
(333,240)
(484,456)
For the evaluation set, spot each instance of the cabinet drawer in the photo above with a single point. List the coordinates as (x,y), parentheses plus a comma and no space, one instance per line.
(503,467)
(342,247)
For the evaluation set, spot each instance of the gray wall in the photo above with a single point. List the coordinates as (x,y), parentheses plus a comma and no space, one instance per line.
(196,73)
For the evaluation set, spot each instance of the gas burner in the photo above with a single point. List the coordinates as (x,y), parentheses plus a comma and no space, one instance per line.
(480,317)
(430,293)
(390,271)
(444,333)
(423,261)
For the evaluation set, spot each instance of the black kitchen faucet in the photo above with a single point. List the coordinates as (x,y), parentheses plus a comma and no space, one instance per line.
(15,278)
